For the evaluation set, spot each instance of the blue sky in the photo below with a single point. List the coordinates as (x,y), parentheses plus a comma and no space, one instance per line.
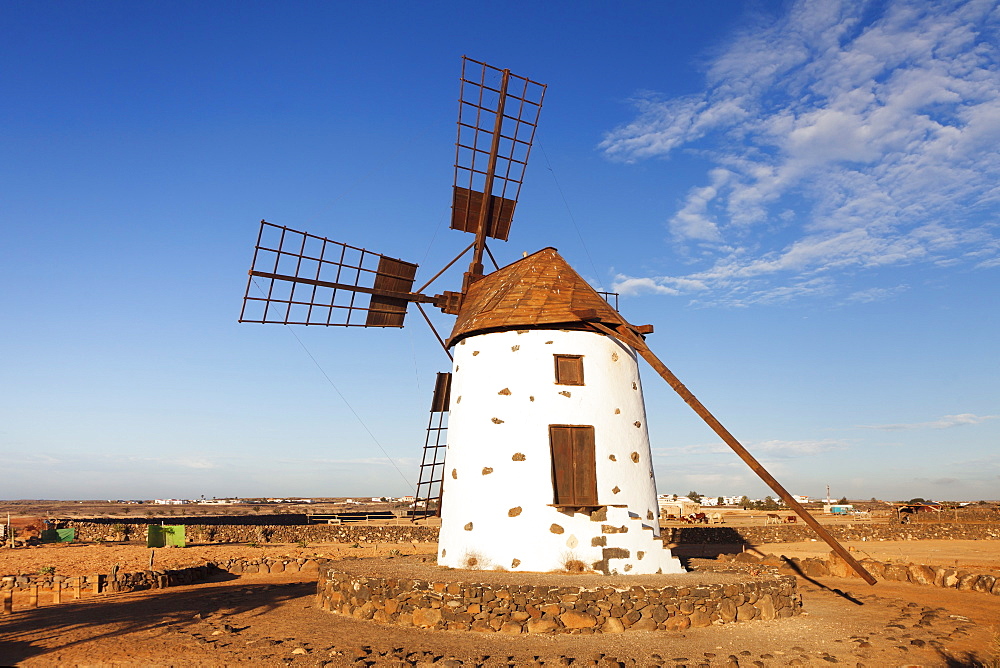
(801,197)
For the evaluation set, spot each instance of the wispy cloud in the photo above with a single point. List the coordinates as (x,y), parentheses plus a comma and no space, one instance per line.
(773,448)
(835,143)
(945,422)
(797,448)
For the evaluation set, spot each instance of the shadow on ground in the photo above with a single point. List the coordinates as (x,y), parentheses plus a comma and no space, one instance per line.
(120,614)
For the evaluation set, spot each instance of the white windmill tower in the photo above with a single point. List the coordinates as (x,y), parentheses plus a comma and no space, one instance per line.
(537,456)
(548,465)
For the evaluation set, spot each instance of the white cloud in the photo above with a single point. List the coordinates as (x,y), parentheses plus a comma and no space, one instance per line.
(837,142)
(874,295)
(945,422)
(777,448)
(773,448)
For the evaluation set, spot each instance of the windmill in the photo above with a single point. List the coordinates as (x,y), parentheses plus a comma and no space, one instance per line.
(537,455)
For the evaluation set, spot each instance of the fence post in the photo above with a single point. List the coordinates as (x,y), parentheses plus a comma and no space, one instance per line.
(56,592)
(8,601)
(77,586)
(33,596)
(96,579)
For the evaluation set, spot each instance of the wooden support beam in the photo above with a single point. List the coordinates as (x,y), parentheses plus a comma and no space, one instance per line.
(636,342)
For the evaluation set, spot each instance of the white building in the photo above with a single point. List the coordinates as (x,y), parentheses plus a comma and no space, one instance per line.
(548,464)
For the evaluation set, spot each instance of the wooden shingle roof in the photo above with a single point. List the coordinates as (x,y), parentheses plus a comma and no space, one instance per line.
(541,290)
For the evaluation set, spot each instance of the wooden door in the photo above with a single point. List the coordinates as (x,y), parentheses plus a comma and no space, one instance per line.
(574,465)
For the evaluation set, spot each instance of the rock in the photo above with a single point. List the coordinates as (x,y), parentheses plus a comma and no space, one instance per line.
(839,567)
(541,626)
(510,628)
(921,574)
(482,626)
(656,612)
(766,606)
(644,624)
(727,610)
(967,581)
(814,568)
(678,623)
(745,612)
(700,618)
(577,620)
(613,625)
(985,583)
(426,617)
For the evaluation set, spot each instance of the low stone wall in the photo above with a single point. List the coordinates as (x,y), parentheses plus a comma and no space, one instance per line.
(158,579)
(234,533)
(921,574)
(936,576)
(411,533)
(270,565)
(867,531)
(119,582)
(451,604)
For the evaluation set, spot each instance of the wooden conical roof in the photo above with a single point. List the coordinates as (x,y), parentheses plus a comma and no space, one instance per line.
(539,291)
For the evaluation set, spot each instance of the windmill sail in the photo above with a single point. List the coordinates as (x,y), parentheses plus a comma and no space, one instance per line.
(497,117)
(298,278)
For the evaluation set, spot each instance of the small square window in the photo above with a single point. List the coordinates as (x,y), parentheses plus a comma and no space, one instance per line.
(569,369)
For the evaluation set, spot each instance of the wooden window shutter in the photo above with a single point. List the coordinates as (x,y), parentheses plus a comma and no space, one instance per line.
(574,465)
(569,369)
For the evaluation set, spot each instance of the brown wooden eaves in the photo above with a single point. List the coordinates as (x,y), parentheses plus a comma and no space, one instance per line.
(539,291)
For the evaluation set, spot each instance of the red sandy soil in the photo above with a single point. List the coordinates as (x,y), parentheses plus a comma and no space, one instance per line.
(270,620)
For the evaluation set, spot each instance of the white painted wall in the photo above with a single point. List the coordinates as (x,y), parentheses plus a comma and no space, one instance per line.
(496,509)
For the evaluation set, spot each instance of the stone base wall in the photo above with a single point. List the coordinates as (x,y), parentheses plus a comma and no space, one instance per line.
(237,533)
(409,533)
(512,609)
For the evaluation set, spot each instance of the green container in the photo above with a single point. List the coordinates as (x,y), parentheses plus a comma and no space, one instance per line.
(165,536)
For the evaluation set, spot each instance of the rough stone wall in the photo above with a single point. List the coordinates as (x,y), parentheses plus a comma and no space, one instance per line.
(936,576)
(921,574)
(159,579)
(375,533)
(235,533)
(121,582)
(791,533)
(540,609)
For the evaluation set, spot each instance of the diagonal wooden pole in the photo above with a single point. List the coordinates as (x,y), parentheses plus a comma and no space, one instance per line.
(634,340)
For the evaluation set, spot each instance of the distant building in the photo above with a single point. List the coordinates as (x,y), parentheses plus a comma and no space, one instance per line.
(838,509)
(671,504)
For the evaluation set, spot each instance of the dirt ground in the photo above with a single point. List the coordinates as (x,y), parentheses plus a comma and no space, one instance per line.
(87,558)
(270,620)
